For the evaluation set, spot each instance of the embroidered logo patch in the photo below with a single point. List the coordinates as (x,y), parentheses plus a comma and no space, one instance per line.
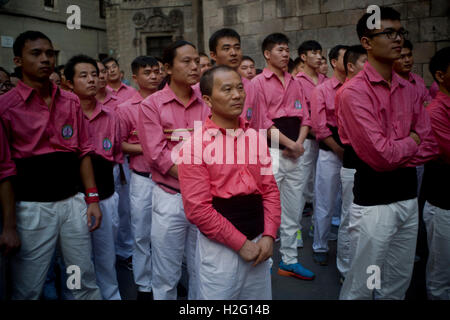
(249,113)
(67,131)
(107,144)
(297,104)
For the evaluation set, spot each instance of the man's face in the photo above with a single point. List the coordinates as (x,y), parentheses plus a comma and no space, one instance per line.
(102,75)
(312,58)
(162,72)
(278,57)
(228,52)
(443,79)
(228,95)
(205,64)
(5,83)
(247,69)
(37,60)
(113,71)
(148,77)
(405,63)
(55,78)
(186,66)
(380,46)
(85,80)
(323,68)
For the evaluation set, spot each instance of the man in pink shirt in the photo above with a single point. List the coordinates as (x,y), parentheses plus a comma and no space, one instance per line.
(247,68)
(104,95)
(146,76)
(277,92)
(50,146)
(403,67)
(235,205)
(436,212)
(103,127)
(327,186)
(311,54)
(165,119)
(354,59)
(387,126)
(117,87)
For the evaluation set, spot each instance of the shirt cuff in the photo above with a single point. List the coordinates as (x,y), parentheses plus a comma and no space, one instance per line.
(237,241)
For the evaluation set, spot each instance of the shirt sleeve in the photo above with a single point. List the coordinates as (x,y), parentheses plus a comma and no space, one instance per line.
(7,165)
(152,138)
(125,124)
(440,123)
(84,142)
(319,114)
(195,189)
(367,137)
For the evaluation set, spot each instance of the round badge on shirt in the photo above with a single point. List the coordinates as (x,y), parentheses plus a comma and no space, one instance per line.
(67,131)
(107,144)
(249,113)
(297,104)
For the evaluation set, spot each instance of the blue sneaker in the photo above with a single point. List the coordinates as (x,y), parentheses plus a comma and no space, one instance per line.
(321,258)
(295,270)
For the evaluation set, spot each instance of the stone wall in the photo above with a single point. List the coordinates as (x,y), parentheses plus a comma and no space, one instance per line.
(18,16)
(330,22)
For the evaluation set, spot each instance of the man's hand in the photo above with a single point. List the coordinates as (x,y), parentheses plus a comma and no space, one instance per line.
(93,210)
(9,241)
(295,151)
(415,137)
(249,251)
(339,151)
(266,245)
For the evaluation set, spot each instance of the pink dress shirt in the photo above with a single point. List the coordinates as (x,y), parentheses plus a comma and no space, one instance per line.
(128,114)
(7,166)
(422,90)
(202,179)
(280,101)
(308,85)
(322,108)
(35,129)
(434,89)
(163,122)
(439,110)
(376,118)
(110,101)
(123,93)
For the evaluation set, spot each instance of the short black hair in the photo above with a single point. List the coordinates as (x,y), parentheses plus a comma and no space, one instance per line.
(222,33)
(272,40)
(19,43)
(334,52)
(386,13)
(207,80)
(440,61)
(4,70)
(247,58)
(142,62)
(407,44)
(352,55)
(170,52)
(69,70)
(59,68)
(309,45)
(109,59)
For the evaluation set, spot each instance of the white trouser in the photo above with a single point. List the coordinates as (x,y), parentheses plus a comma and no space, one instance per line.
(172,235)
(141,223)
(224,275)
(104,249)
(327,190)
(383,238)
(343,243)
(289,175)
(437,222)
(309,164)
(125,239)
(40,225)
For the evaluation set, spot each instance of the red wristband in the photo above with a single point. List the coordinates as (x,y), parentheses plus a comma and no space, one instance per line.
(91,196)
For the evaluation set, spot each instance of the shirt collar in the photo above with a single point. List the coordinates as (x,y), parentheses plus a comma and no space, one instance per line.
(25,91)
(136,98)
(445,99)
(320,77)
(97,111)
(209,124)
(335,82)
(109,96)
(168,95)
(269,73)
(375,77)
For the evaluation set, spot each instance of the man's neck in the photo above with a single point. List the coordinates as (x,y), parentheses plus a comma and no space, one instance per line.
(145,92)
(278,72)
(404,75)
(183,92)
(383,68)
(101,94)
(339,75)
(88,105)
(115,85)
(224,122)
(444,90)
(310,72)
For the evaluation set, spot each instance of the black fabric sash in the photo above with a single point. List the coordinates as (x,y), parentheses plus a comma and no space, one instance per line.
(246,213)
(436,184)
(104,176)
(350,158)
(47,178)
(289,126)
(335,135)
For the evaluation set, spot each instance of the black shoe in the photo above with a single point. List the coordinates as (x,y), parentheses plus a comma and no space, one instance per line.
(144,296)
(321,258)
(128,262)
(308,209)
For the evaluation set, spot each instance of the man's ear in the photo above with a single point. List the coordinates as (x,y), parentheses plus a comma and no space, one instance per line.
(213,55)
(350,67)
(69,83)
(167,68)
(365,42)
(333,63)
(266,54)
(439,76)
(135,78)
(17,61)
(207,100)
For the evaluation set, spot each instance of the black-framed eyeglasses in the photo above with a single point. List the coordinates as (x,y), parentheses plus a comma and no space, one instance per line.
(392,34)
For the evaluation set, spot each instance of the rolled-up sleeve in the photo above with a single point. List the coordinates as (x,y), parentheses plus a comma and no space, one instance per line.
(319,114)
(7,166)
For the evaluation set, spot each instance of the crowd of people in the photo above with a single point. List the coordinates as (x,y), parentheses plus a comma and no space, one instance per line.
(210,161)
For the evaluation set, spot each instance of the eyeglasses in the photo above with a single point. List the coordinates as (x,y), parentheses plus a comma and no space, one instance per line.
(392,34)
